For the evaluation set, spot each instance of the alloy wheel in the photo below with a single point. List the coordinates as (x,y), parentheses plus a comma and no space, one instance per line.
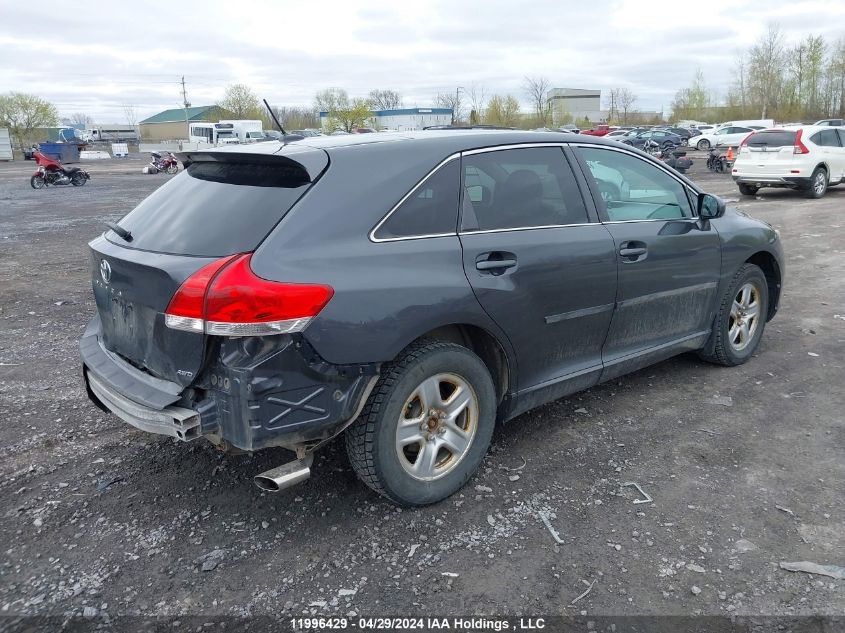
(437,426)
(819,183)
(745,316)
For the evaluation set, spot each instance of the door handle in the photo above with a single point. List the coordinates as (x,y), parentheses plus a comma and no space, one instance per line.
(633,251)
(495,264)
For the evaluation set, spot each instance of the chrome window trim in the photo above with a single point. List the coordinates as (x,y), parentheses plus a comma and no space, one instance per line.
(372,234)
(664,169)
(499,148)
(528,228)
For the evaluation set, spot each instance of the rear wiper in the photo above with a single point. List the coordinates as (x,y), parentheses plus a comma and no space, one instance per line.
(126,235)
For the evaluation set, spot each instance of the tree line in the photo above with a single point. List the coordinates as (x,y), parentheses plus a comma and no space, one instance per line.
(773,79)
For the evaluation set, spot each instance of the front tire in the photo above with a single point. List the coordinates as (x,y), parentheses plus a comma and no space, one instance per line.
(77,180)
(703,145)
(741,319)
(172,169)
(818,184)
(37,182)
(747,190)
(426,426)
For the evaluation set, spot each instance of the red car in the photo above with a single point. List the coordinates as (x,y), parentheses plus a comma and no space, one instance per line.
(599,130)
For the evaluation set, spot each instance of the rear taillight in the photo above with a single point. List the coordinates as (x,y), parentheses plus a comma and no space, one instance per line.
(744,141)
(799,148)
(225,298)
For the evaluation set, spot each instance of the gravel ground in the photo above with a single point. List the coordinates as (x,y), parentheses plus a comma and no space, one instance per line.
(745,466)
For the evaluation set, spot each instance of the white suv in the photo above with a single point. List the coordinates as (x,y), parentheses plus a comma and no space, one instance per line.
(809,157)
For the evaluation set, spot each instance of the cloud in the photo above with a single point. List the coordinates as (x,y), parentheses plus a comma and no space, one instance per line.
(100,56)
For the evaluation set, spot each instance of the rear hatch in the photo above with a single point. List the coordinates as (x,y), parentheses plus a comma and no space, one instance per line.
(225,202)
(768,153)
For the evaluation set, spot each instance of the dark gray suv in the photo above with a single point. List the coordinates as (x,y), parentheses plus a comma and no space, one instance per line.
(410,290)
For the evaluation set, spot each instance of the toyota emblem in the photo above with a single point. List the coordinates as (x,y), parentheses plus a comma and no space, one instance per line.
(105,270)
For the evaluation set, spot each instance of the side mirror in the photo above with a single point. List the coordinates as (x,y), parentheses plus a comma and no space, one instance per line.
(710,207)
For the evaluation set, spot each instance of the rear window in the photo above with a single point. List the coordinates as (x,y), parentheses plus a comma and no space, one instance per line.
(214,209)
(776,138)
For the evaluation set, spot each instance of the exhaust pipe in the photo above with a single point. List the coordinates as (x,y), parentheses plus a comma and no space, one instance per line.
(286,475)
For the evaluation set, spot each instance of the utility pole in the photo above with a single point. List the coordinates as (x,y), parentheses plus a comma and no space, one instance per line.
(456,110)
(186,104)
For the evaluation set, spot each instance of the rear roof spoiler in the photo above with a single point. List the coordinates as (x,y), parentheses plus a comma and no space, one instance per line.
(310,162)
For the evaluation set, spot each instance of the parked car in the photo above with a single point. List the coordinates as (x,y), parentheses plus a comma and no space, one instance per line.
(831,122)
(723,137)
(810,158)
(617,135)
(683,132)
(569,127)
(598,130)
(272,135)
(410,294)
(662,137)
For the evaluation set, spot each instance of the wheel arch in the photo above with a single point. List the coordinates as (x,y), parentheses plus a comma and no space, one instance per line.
(769,265)
(485,345)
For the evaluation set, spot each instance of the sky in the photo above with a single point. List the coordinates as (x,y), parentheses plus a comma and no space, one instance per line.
(95,57)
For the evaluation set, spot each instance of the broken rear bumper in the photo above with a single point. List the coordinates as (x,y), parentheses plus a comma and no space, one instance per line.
(253,393)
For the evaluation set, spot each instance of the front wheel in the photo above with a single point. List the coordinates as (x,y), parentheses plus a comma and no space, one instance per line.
(172,169)
(37,182)
(741,318)
(426,426)
(77,180)
(703,145)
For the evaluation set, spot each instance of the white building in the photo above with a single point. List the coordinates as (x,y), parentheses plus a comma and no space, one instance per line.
(403,119)
(579,103)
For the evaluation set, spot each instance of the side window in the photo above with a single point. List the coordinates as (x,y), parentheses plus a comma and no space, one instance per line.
(841,137)
(830,138)
(520,188)
(431,209)
(634,189)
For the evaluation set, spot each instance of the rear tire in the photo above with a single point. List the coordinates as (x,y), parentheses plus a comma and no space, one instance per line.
(818,184)
(741,319)
(37,182)
(408,444)
(747,190)
(703,145)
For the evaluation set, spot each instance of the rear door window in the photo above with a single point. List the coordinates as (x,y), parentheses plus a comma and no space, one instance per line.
(430,210)
(520,188)
(214,209)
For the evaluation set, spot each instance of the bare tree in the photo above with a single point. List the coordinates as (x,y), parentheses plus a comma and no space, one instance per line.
(625,100)
(537,91)
(452,100)
(131,114)
(385,100)
(80,118)
(766,69)
(477,103)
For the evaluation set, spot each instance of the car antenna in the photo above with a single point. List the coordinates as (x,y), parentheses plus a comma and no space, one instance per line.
(276,121)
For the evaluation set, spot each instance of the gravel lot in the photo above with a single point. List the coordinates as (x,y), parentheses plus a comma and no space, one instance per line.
(746,467)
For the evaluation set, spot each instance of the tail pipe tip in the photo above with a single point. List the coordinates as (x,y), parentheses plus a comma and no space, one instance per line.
(286,475)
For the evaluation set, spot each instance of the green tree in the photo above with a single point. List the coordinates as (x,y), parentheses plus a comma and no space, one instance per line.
(22,113)
(241,101)
(342,113)
(502,110)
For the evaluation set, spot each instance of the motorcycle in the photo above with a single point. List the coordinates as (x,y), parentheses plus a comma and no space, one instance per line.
(159,163)
(676,159)
(52,172)
(716,161)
